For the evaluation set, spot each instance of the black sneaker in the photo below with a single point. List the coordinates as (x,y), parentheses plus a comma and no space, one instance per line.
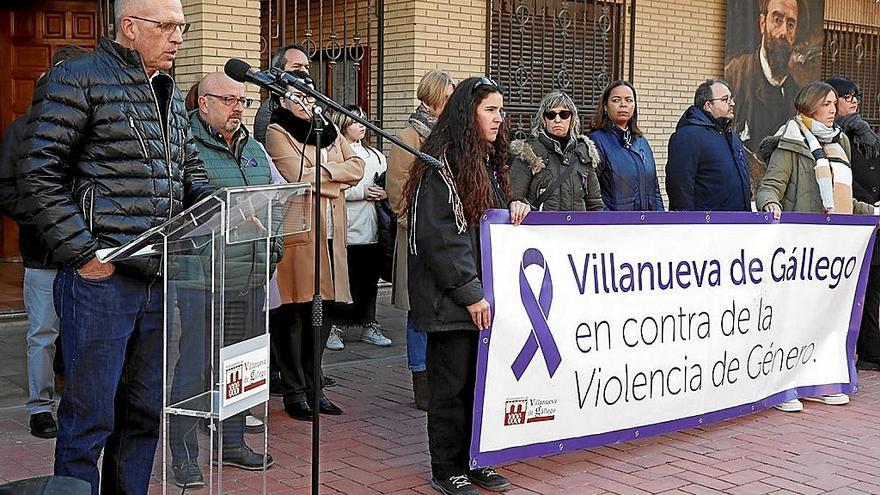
(244,458)
(454,485)
(490,480)
(864,365)
(43,425)
(188,475)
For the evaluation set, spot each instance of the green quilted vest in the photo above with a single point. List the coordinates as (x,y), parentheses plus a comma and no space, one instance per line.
(245,165)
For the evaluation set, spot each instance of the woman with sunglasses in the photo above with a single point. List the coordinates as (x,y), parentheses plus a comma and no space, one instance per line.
(291,141)
(627,172)
(865,162)
(553,170)
(444,207)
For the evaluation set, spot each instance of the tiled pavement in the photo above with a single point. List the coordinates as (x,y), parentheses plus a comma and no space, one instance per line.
(379,444)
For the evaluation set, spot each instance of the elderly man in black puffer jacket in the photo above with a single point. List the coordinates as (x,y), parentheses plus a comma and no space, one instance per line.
(109,155)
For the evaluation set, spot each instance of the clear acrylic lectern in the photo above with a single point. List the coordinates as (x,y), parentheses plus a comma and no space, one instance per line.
(216,258)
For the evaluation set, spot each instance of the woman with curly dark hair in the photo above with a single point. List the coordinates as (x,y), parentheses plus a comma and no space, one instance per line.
(444,206)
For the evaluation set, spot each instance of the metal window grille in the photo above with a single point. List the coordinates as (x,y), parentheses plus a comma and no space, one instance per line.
(536,46)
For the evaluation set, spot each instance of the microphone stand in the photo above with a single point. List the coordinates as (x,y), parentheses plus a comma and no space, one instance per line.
(283,78)
(317,302)
(318,124)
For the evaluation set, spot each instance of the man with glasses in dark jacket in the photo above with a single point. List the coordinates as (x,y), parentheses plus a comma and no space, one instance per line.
(707,169)
(109,156)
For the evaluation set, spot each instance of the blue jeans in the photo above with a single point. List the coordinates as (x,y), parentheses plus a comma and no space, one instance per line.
(41,335)
(416,347)
(111,331)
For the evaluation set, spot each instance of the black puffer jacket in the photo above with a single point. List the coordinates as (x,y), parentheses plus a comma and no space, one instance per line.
(102,164)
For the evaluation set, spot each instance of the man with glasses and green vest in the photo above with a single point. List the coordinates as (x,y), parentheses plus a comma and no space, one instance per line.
(232,158)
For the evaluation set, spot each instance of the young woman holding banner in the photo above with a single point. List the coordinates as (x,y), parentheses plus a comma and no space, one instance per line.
(444,208)
(808,170)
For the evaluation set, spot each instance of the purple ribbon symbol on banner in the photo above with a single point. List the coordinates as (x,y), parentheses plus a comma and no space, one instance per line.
(537,310)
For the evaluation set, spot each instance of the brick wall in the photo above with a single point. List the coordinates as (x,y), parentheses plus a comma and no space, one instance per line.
(221,29)
(421,35)
(679,43)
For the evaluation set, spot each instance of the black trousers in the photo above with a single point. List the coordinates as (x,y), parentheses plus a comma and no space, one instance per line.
(294,339)
(868,346)
(243,315)
(452,371)
(364,261)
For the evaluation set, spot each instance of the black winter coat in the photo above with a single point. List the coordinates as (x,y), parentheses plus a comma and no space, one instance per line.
(9,149)
(33,251)
(103,163)
(446,263)
(865,164)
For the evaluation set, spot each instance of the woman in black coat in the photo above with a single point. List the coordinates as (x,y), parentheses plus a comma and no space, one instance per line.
(444,207)
(865,163)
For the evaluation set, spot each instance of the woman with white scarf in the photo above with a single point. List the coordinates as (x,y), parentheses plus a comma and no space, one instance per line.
(808,170)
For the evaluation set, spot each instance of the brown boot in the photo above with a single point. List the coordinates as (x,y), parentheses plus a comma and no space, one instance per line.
(420,389)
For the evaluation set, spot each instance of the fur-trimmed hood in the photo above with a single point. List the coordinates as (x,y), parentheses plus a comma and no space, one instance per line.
(790,134)
(524,149)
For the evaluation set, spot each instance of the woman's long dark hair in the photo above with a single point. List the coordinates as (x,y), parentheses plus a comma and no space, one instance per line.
(458,135)
(601,120)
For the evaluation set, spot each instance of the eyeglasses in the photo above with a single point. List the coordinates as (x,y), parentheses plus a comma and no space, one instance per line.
(726,99)
(230,101)
(852,97)
(305,98)
(563,114)
(166,27)
(485,81)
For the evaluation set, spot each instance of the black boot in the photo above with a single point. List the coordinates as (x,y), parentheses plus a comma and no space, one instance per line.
(420,389)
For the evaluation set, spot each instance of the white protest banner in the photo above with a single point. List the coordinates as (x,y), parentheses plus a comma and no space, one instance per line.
(614,326)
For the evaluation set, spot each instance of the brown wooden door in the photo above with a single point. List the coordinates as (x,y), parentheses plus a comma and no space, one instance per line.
(29,37)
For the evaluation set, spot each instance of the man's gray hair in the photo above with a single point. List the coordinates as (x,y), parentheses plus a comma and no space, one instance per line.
(552,100)
(122,8)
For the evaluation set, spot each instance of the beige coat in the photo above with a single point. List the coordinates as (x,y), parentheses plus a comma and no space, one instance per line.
(399,164)
(341,169)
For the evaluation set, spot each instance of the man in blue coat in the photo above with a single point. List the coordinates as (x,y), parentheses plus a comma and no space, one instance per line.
(707,169)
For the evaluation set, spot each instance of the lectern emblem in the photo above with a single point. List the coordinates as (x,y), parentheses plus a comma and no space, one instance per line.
(234,384)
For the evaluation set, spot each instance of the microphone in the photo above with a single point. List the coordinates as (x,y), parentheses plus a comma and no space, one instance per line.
(241,71)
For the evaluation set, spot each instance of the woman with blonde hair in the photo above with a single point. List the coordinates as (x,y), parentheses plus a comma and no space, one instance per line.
(434,90)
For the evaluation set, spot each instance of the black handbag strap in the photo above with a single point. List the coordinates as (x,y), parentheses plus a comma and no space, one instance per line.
(557,182)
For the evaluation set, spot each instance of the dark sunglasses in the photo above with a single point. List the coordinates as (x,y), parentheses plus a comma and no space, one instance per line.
(563,114)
